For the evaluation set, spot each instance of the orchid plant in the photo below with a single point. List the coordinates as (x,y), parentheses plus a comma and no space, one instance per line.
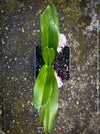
(48,82)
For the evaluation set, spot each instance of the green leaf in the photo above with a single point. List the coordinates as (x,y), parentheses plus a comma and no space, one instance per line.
(48,86)
(48,112)
(53,35)
(49,26)
(45,55)
(54,14)
(39,87)
(48,55)
(51,55)
(42,114)
(53,105)
(44,30)
(46,118)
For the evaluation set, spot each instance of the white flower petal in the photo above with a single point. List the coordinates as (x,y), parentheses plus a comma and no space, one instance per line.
(59,82)
(62,43)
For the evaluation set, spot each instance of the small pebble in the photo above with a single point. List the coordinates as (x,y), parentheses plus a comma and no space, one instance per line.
(23,30)
(15,98)
(15,59)
(77,102)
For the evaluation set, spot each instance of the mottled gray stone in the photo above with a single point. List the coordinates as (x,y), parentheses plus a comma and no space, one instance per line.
(77,112)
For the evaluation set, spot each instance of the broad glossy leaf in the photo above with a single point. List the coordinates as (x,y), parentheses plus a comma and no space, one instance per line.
(46,117)
(53,35)
(54,14)
(50,110)
(39,87)
(48,55)
(53,105)
(48,86)
(45,55)
(49,27)
(51,55)
(42,114)
(44,30)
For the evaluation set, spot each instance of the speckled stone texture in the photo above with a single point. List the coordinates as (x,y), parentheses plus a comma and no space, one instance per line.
(78,98)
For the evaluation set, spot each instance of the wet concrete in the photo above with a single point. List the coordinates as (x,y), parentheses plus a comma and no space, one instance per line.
(20,33)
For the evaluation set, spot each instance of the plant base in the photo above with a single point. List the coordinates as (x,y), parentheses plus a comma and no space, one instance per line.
(61,63)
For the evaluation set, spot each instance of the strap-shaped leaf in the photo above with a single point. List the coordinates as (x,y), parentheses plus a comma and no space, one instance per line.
(45,55)
(46,117)
(48,55)
(48,86)
(42,114)
(53,105)
(39,87)
(46,89)
(44,30)
(53,35)
(54,14)
(49,26)
(48,112)
(51,55)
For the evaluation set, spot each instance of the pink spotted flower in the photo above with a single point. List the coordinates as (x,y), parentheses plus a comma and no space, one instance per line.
(59,82)
(62,43)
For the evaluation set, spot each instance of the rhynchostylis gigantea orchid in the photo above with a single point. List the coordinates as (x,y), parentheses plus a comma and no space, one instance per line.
(46,87)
